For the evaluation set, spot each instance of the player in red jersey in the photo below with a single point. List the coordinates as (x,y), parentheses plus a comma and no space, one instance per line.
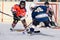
(19,11)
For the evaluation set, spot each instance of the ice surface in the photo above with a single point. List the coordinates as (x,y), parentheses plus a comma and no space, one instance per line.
(46,33)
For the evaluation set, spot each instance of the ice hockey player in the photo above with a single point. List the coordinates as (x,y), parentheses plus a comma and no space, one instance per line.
(50,13)
(39,14)
(19,11)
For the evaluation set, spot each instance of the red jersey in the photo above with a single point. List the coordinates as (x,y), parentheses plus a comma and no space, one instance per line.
(19,11)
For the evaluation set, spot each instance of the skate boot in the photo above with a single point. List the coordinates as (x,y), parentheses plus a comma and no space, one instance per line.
(30,31)
(12,29)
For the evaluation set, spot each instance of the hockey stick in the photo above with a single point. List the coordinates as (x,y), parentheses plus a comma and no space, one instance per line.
(12,16)
(5,14)
(21,30)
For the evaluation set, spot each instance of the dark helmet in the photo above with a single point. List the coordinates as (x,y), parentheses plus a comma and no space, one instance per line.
(46,3)
(22,2)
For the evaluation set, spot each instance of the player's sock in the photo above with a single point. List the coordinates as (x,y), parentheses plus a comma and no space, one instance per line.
(13,25)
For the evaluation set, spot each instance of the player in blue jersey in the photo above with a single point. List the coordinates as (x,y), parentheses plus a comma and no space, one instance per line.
(39,14)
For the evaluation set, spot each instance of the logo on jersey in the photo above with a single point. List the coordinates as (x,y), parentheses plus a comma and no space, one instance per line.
(38,9)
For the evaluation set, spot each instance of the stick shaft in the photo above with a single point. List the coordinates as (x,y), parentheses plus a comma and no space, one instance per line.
(6,14)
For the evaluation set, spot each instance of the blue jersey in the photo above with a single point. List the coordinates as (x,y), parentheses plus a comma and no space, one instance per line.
(39,13)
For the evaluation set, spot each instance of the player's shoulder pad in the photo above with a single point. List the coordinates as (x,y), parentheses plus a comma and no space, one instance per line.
(41,6)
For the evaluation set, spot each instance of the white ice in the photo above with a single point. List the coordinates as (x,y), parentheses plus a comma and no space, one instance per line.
(46,33)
